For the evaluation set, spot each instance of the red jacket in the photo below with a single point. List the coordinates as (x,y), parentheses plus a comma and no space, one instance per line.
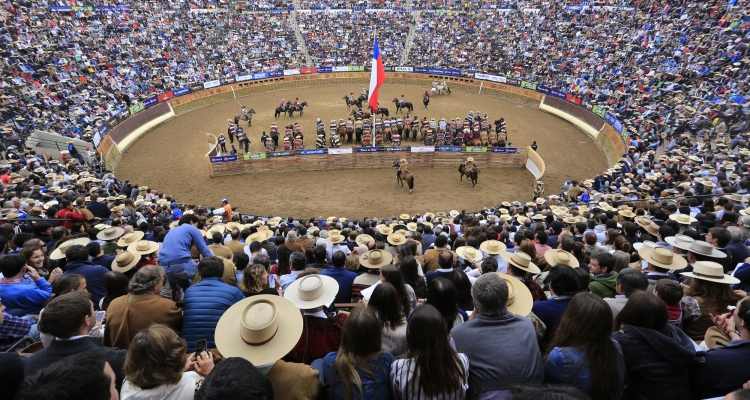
(69,214)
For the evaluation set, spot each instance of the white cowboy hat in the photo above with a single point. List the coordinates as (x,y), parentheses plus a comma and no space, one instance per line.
(464,251)
(662,258)
(130,238)
(700,247)
(110,233)
(335,238)
(521,260)
(679,241)
(143,247)
(555,257)
(411,226)
(712,272)
(125,261)
(454,213)
(260,329)
(396,239)
(384,230)
(682,219)
(644,244)
(520,299)
(374,259)
(312,291)
(364,239)
(59,252)
(492,246)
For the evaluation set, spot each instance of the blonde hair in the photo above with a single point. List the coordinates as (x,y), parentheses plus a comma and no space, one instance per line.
(252,279)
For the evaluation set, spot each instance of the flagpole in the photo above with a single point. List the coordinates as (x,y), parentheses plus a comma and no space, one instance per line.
(375,111)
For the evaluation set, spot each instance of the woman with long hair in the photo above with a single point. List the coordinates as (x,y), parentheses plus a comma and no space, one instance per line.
(431,369)
(441,294)
(463,289)
(410,269)
(657,354)
(37,259)
(704,297)
(582,353)
(407,298)
(255,281)
(385,301)
(282,266)
(359,370)
(527,246)
(116,285)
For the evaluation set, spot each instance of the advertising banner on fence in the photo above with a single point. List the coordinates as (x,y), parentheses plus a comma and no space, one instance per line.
(395,148)
(222,159)
(243,78)
(403,69)
(305,71)
(598,111)
(274,74)
(324,69)
(491,78)
(573,99)
(440,71)
(260,75)
(165,96)
(356,68)
(505,150)
(418,69)
(422,149)
(60,8)
(181,91)
(211,84)
(285,153)
(614,122)
(97,139)
(254,156)
(136,108)
(450,149)
(347,150)
(340,69)
(476,149)
(288,72)
(312,152)
(528,85)
(368,149)
(550,91)
(150,102)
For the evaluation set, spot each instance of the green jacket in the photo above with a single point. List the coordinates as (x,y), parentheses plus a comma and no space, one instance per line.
(604,287)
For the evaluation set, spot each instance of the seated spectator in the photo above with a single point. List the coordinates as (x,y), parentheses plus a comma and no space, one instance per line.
(11,375)
(441,294)
(432,368)
(358,355)
(241,261)
(670,292)
(116,284)
(372,261)
(235,378)
(407,297)
(21,299)
(445,267)
(77,258)
(493,370)
(84,375)
(521,267)
(710,293)
(321,259)
(256,281)
(657,354)
(628,282)
(36,258)
(69,318)
(604,277)
(158,366)
(206,301)
(13,329)
(142,307)
(98,257)
(66,284)
(582,353)
(563,285)
(298,263)
(344,277)
(385,301)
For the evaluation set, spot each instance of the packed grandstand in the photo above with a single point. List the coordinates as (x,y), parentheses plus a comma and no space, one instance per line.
(631,283)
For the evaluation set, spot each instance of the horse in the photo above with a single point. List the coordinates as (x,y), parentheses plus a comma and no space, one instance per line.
(282,110)
(300,108)
(471,175)
(440,88)
(350,103)
(426,101)
(407,105)
(381,111)
(245,117)
(404,176)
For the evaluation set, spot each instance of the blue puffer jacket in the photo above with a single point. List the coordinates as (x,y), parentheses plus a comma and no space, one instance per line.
(204,304)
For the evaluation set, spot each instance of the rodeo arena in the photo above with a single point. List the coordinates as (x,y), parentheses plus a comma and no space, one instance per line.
(259,199)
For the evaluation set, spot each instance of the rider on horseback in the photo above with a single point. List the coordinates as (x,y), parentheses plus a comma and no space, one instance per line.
(403,167)
(403,100)
(244,110)
(296,101)
(281,105)
(470,165)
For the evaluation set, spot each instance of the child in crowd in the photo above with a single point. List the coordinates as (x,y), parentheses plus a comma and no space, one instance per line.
(670,292)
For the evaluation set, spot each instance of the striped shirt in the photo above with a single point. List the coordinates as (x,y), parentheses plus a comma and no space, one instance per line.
(405,382)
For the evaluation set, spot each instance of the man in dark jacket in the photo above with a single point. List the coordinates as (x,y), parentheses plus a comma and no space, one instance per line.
(205,303)
(77,257)
(98,208)
(69,318)
(98,257)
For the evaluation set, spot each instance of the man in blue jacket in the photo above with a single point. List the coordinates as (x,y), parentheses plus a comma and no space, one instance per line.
(564,284)
(344,277)
(20,298)
(77,258)
(175,258)
(205,303)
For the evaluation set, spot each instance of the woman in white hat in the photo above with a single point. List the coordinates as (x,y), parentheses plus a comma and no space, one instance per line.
(709,293)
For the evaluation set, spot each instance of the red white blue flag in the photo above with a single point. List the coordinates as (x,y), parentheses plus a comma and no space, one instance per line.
(377,76)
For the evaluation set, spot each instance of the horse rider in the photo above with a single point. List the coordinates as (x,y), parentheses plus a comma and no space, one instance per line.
(244,110)
(281,105)
(470,164)
(296,101)
(333,126)
(321,127)
(320,142)
(364,92)
(351,98)
(335,142)
(426,94)
(403,100)
(403,167)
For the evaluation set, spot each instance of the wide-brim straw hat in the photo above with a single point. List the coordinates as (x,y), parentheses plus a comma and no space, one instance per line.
(335,238)
(680,241)
(130,238)
(312,291)
(375,259)
(475,254)
(233,225)
(626,213)
(143,247)
(396,239)
(411,226)
(644,244)
(520,299)
(662,258)
(404,216)
(260,329)
(364,239)
(259,236)
(221,228)
(274,221)
(555,257)
(648,225)
(682,219)
(125,261)
(59,252)
(454,213)
(712,272)
(492,247)
(110,233)
(520,260)
(698,247)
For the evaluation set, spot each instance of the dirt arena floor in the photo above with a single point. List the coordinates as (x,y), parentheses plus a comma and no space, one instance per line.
(170,159)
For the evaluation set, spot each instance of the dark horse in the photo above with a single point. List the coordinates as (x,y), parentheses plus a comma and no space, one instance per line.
(357,102)
(407,105)
(247,117)
(292,109)
(426,101)
(471,175)
(282,110)
(381,111)
(406,176)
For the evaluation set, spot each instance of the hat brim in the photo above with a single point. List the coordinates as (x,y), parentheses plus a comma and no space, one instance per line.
(330,290)
(137,234)
(364,260)
(126,268)
(152,247)
(678,262)
(533,268)
(59,255)
(484,245)
(364,239)
(103,236)
(549,255)
(522,298)
(461,251)
(730,280)
(230,343)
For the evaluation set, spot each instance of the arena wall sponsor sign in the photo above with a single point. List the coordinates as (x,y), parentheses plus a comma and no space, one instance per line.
(254,156)
(550,91)
(211,84)
(476,149)
(368,149)
(395,148)
(340,69)
(150,102)
(355,68)
(439,71)
(609,117)
(284,153)
(505,150)
(573,99)
(324,69)
(112,8)
(403,69)
(136,108)
(450,149)
(491,78)
(528,85)
(312,152)
(347,150)
(305,71)
(598,111)
(243,78)
(61,8)
(222,159)
(422,149)
(294,71)
(181,91)
(165,96)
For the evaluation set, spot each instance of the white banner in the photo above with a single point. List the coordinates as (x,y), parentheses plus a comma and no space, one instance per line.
(403,69)
(491,78)
(422,149)
(340,69)
(341,150)
(211,84)
(291,72)
(243,78)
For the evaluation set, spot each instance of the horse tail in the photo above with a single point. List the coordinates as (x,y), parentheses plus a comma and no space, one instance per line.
(410,181)
(460,168)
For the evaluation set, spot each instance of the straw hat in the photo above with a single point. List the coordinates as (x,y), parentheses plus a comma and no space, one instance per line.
(274,221)
(364,239)
(700,247)
(130,238)
(555,257)
(312,291)
(644,244)
(492,247)
(404,216)
(396,239)
(521,260)
(680,241)
(110,233)
(454,213)
(233,225)
(125,261)
(464,251)
(330,220)
(143,247)
(59,252)
(712,272)
(648,225)
(411,226)
(519,296)
(385,230)
(626,213)
(259,236)
(662,258)
(335,238)
(375,258)
(260,329)
(682,219)
(221,228)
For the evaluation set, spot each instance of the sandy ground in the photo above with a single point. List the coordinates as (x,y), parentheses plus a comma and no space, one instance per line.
(170,159)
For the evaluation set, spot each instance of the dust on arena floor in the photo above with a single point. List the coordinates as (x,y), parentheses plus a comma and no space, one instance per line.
(170,158)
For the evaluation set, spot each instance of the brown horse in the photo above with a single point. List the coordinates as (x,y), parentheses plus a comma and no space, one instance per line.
(484,138)
(406,133)
(492,139)
(404,176)
(471,175)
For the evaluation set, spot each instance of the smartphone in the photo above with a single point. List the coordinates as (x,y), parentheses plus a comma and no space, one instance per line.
(200,346)
(100,316)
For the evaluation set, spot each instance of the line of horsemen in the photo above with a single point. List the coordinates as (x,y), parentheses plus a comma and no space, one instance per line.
(474,130)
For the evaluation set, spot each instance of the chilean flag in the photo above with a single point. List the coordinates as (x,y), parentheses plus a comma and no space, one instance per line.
(377,76)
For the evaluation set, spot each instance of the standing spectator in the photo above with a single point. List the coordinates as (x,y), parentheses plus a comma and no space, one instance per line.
(175,257)
(69,213)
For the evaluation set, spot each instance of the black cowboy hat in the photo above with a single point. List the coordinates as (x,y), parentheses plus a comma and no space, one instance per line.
(703,224)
